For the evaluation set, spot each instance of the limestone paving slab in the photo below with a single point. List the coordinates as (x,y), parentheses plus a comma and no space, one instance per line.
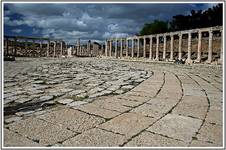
(96,110)
(178,127)
(134,98)
(147,139)
(190,110)
(111,105)
(72,119)
(41,131)
(197,143)
(12,139)
(215,116)
(211,133)
(95,138)
(128,124)
(155,111)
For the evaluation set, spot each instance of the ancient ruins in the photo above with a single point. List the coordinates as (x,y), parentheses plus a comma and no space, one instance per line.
(125,92)
(194,46)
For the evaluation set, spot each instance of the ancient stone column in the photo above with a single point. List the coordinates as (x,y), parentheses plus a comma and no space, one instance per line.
(127,47)
(144,48)
(40,44)
(61,48)
(138,47)
(106,48)
(121,48)
(221,53)
(164,47)
(54,49)
(150,52)
(15,46)
(7,46)
(110,48)
(179,47)
(199,47)
(189,48)
(132,55)
(116,48)
(47,51)
(171,47)
(157,48)
(210,51)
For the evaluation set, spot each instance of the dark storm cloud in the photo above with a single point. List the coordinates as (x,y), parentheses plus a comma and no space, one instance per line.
(89,21)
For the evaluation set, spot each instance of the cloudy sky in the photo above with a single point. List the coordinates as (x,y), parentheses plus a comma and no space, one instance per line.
(87,21)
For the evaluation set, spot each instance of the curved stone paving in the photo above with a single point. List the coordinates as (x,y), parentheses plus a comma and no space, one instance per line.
(176,106)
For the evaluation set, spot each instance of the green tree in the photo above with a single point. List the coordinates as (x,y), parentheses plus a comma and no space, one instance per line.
(155,27)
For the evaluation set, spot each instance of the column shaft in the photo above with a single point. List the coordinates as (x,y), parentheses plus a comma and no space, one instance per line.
(171,47)
(54,49)
(164,47)
(106,48)
(116,48)
(61,48)
(199,46)
(189,47)
(121,48)
(47,51)
(132,48)
(110,48)
(221,53)
(179,47)
(144,48)
(150,48)
(210,51)
(138,47)
(157,48)
(127,47)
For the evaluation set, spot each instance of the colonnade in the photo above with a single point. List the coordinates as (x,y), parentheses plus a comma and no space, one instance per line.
(129,45)
(44,45)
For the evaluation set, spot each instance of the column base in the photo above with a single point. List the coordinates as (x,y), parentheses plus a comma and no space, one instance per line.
(171,60)
(208,61)
(220,61)
(189,61)
(197,60)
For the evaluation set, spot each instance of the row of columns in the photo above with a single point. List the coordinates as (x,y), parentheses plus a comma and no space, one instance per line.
(15,45)
(109,45)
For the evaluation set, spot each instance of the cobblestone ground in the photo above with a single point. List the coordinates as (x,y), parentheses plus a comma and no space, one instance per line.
(89,102)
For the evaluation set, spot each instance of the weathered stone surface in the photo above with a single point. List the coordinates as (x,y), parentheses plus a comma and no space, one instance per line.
(155,111)
(197,143)
(38,130)
(21,113)
(46,98)
(65,101)
(134,98)
(128,123)
(178,127)
(111,105)
(12,139)
(211,133)
(215,116)
(95,138)
(147,139)
(12,119)
(191,110)
(72,119)
(94,109)
(76,103)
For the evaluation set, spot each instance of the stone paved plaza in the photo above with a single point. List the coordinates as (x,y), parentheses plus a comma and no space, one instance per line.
(91,102)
